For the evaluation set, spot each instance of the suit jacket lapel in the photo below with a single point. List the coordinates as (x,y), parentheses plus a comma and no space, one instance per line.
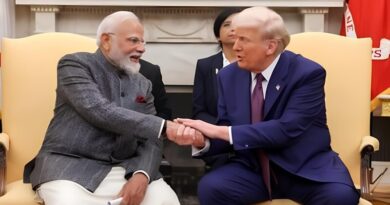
(217,62)
(241,93)
(277,83)
(246,94)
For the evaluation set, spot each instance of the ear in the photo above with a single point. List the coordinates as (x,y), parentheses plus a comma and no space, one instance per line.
(272,46)
(105,41)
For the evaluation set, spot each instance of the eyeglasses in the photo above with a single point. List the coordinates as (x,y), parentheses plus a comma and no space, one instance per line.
(135,41)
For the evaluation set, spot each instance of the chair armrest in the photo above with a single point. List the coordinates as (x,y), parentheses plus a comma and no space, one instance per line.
(4,141)
(4,146)
(368,146)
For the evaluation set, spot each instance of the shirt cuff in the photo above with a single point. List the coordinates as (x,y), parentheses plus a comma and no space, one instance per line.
(161,129)
(143,172)
(230,135)
(198,152)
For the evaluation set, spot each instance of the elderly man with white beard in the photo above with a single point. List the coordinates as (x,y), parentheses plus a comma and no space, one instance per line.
(104,142)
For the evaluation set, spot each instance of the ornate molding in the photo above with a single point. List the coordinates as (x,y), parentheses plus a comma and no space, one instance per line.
(140,10)
(162,24)
(45,9)
(179,24)
(180,33)
(178,11)
(314,10)
(314,19)
(92,10)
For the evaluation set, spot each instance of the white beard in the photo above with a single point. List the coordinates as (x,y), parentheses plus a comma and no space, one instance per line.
(123,61)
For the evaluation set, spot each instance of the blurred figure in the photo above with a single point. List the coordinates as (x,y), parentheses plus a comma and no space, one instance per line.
(205,91)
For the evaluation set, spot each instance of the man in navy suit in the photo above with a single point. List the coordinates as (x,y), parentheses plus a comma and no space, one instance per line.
(292,132)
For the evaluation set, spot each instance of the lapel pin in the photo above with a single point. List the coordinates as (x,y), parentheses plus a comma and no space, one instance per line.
(216,70)
(277,87)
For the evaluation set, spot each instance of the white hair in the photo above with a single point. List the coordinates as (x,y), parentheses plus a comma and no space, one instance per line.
(269,22)
(112,21)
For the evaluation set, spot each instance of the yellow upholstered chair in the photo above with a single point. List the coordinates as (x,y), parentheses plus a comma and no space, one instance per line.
(29,67)
(347,89)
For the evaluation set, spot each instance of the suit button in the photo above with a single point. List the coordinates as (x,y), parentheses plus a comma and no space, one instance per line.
(246,146)
(122,94)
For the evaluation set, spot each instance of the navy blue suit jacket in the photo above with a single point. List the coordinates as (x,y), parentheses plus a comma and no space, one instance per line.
(205,91)
(294,132)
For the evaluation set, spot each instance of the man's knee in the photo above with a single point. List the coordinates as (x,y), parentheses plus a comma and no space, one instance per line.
(208,186)
(337,194)
(212,190)
(160,193)
(343,195)
(61,192)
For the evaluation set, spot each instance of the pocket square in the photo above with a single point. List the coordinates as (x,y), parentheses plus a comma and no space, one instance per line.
(140,99)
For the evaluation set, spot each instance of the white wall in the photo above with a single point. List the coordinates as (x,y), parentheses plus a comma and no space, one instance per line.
(176,36)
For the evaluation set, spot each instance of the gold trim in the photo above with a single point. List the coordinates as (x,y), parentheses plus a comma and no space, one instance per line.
(376,102)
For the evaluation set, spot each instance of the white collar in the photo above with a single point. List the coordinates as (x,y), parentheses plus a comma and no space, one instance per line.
(268,71)
(225,61)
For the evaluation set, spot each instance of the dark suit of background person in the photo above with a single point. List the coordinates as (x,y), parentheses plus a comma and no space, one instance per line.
(205,92)
(152,72)
(205,98)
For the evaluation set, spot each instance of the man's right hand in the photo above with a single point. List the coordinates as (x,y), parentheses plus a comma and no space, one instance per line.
(183,135)
(133,192)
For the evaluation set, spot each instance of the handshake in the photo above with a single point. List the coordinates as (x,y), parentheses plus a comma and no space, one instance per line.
(194,132)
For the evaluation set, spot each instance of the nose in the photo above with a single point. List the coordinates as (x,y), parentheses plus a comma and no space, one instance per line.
(236,46)
(141,48)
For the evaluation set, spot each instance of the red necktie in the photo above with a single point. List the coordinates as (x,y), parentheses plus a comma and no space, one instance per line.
(257,104)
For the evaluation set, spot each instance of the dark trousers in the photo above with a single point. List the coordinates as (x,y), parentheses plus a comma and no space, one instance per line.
(214,162)
(235,184)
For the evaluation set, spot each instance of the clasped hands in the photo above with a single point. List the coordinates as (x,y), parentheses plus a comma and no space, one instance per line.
(194,132)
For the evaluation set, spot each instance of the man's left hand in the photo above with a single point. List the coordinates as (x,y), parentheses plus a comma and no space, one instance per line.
(133,191)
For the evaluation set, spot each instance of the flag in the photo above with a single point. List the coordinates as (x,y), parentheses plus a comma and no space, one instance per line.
(371,18)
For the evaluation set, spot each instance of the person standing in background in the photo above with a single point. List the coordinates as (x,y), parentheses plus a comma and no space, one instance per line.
(205,91)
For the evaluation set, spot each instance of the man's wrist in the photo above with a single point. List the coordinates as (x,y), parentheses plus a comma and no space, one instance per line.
(223,132)
(140,173)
